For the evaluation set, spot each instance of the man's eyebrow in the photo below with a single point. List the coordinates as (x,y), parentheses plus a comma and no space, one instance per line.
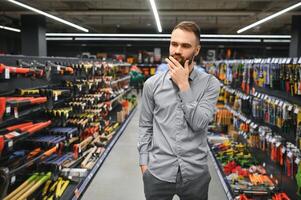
(185,43)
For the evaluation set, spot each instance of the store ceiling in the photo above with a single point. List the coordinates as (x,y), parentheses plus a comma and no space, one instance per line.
(135,16)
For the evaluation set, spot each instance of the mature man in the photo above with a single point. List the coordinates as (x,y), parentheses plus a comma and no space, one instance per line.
(176,108)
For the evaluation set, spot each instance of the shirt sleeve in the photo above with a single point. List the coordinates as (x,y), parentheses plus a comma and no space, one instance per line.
(146,122)
(199,114)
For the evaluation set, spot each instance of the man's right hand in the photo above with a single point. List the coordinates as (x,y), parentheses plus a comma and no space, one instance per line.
(143,168)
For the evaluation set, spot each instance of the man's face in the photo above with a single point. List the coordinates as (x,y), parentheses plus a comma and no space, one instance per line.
(183,46)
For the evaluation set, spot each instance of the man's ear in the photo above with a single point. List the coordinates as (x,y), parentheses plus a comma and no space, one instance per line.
(197,50)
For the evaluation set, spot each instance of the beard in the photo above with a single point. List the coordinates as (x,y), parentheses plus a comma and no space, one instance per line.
(182,59)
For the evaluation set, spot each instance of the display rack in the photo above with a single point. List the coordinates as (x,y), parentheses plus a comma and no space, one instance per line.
(94,117)
(240,79)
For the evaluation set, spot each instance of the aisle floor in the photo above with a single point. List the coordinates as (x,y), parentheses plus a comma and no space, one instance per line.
(120,177)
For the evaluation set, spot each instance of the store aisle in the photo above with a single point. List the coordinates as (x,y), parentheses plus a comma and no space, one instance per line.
(120,178)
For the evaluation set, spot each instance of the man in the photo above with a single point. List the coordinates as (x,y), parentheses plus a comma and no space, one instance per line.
(176,108)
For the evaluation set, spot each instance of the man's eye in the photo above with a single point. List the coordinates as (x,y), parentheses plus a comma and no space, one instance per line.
(186,46)
(174,44)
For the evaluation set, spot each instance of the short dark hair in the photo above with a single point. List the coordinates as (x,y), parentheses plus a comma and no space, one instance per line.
(189,26)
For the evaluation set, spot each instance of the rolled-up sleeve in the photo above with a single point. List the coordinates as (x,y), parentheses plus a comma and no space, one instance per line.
(146,122)
(199,113)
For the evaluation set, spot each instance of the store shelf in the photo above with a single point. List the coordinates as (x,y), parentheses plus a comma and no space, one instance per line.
(280,94)
(119,96)
(220,174)
(82,186)
(120,80)
(285,183)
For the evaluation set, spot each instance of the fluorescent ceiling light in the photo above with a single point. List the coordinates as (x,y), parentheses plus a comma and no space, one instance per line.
(230,40)
(243,36)
(155,11)
(59,38)
(105,35)
(269,17)
(48,15)
(10,28)
(122,39)
(163,35)
(277,41)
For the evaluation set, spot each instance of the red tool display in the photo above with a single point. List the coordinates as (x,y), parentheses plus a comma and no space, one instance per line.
(18,101)
(18,127)
(20,70)
(7,140)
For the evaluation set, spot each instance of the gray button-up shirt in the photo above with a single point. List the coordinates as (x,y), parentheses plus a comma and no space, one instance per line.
(173,125)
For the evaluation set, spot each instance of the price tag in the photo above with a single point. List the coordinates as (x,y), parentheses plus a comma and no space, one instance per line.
(6,73)
(10,144)
(281,103)
(58,68)
(299,60)
(80,88)
(296,110)
(13,179)
(284,106)
(276,102)
(290,154)
(14,133)
(252,124)
(273,140)
(8,109)
(290,108)
(249,121)
(255,94)
(278,144)
(295,61)
(79,149)
(16,112)
(255,126)
(283,150)
(297,161)
(55,97)
(270,139)
(266,96)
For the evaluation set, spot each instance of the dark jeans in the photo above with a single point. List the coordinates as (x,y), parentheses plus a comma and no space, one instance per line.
(155,189)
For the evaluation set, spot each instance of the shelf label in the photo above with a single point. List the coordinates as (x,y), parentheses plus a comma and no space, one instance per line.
(296,110)
(13,179)
(283,150)
(290,154)
(8,109)
(6,73)
(288,60)
(16,112)
(10,144)
(290,108)
(297,161)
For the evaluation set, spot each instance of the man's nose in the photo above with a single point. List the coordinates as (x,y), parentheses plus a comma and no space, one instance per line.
(178,50)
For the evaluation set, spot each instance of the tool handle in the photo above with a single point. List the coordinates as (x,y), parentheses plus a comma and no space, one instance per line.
(39,127)
(38,100)
(18,126)
(49,152)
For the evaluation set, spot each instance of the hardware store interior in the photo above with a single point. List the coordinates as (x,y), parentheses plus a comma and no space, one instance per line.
(74,105)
